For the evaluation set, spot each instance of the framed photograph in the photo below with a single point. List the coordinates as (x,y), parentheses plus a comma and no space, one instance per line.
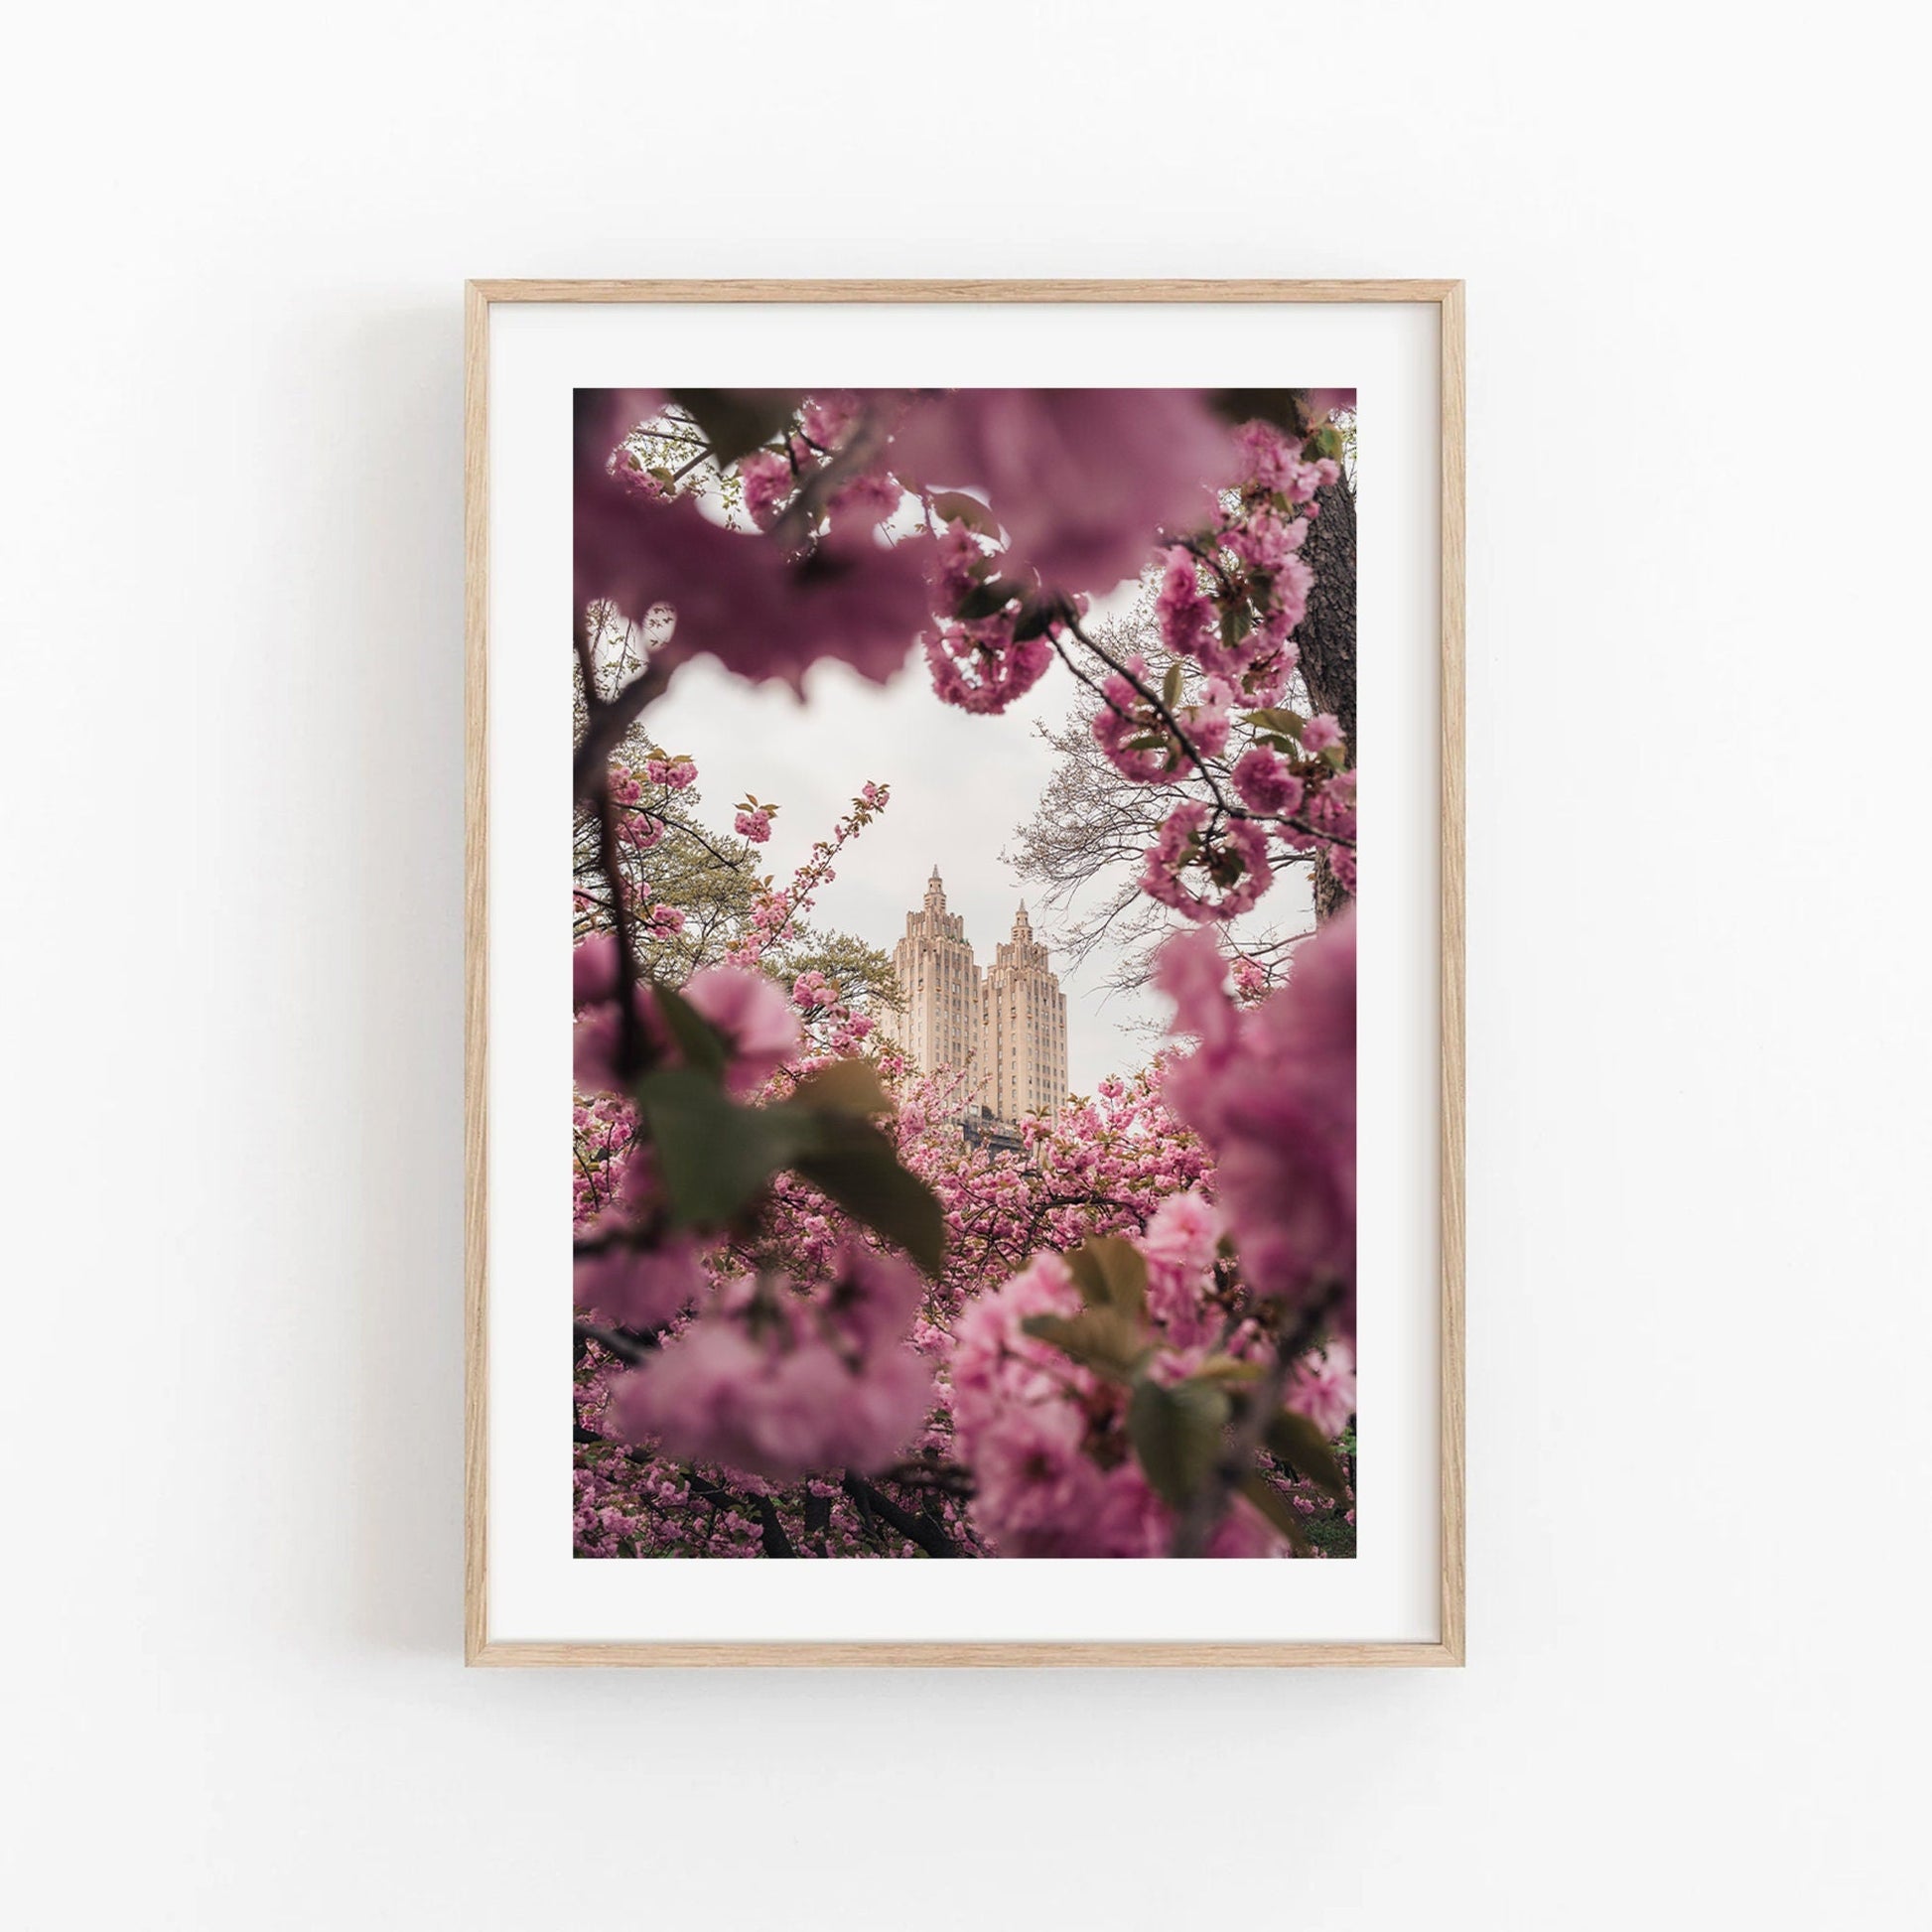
(964,973)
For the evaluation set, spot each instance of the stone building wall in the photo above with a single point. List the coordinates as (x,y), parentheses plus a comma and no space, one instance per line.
(1023,1029)
(1005,1029)
(938,1024)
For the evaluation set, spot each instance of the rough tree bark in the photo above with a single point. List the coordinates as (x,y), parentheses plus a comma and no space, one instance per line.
(1327,637)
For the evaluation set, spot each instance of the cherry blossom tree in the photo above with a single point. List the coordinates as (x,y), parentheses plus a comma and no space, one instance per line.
(812,1319)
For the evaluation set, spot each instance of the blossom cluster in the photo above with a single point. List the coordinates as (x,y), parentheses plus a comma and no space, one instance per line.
(1271,1089)
(1067,1405)
(1231,594)
(778,1383)
(1027,503)
(1131,1336)
(780,910)
(1048,1438)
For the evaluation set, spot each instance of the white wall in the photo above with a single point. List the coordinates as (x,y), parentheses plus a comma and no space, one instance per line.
(230,758)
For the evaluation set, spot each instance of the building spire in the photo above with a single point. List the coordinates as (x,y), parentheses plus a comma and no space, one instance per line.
(1004,1031)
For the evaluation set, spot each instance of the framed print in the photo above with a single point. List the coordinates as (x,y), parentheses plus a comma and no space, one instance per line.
(964,973)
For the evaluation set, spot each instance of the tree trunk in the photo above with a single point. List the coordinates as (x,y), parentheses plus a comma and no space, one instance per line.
(1327,637)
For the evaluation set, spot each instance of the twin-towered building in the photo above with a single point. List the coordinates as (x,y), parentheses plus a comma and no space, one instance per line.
(1003,1030)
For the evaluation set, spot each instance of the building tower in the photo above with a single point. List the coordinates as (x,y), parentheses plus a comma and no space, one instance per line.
(938,1021)
(1022,1029)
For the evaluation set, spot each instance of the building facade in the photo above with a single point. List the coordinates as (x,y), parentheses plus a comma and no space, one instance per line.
(1023,1029)
(938,1021)
(1004,1031)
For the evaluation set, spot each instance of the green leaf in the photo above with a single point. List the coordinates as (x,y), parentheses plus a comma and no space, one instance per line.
(1149,741)
(1278,1510)
(1177,1434)
(957,507)
(1226,1369)
(697,1039)
(1282,407)
(715,1158)
(1336,756)
(1106,1340)
(855,1164)
(1274,719)
(845,1087)
(1110,1273)
(1036,616)
(989,599)
(1171,685)
(1294,1439)
(736,420)
(1236,621)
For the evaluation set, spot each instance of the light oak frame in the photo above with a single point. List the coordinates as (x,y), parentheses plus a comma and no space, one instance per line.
(481,297)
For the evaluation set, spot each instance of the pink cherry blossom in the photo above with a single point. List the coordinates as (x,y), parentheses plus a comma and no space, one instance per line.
(827,417)
(1083,479)
(867,500)
(753,1015)
(638,1285)
(760,610)
(675,774)
(980,667)
(768,483)
(1276,1101)
(1234,860)
(1267,542)
(1322,1387)
(1191,971)
(1178,1248)
(1264,783)
(1184,612)
(760,1386)
(1125,717)
(593,969)
(597,1047)
(1271,463)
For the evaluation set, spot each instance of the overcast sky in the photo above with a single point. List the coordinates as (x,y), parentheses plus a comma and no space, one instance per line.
(960,785)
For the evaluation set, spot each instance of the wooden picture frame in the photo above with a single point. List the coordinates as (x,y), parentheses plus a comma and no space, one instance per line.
(1446,298)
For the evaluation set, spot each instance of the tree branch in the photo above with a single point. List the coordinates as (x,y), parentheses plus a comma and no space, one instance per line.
(921,1530)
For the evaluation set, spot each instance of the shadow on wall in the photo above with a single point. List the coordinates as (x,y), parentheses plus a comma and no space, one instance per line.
(392,488)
